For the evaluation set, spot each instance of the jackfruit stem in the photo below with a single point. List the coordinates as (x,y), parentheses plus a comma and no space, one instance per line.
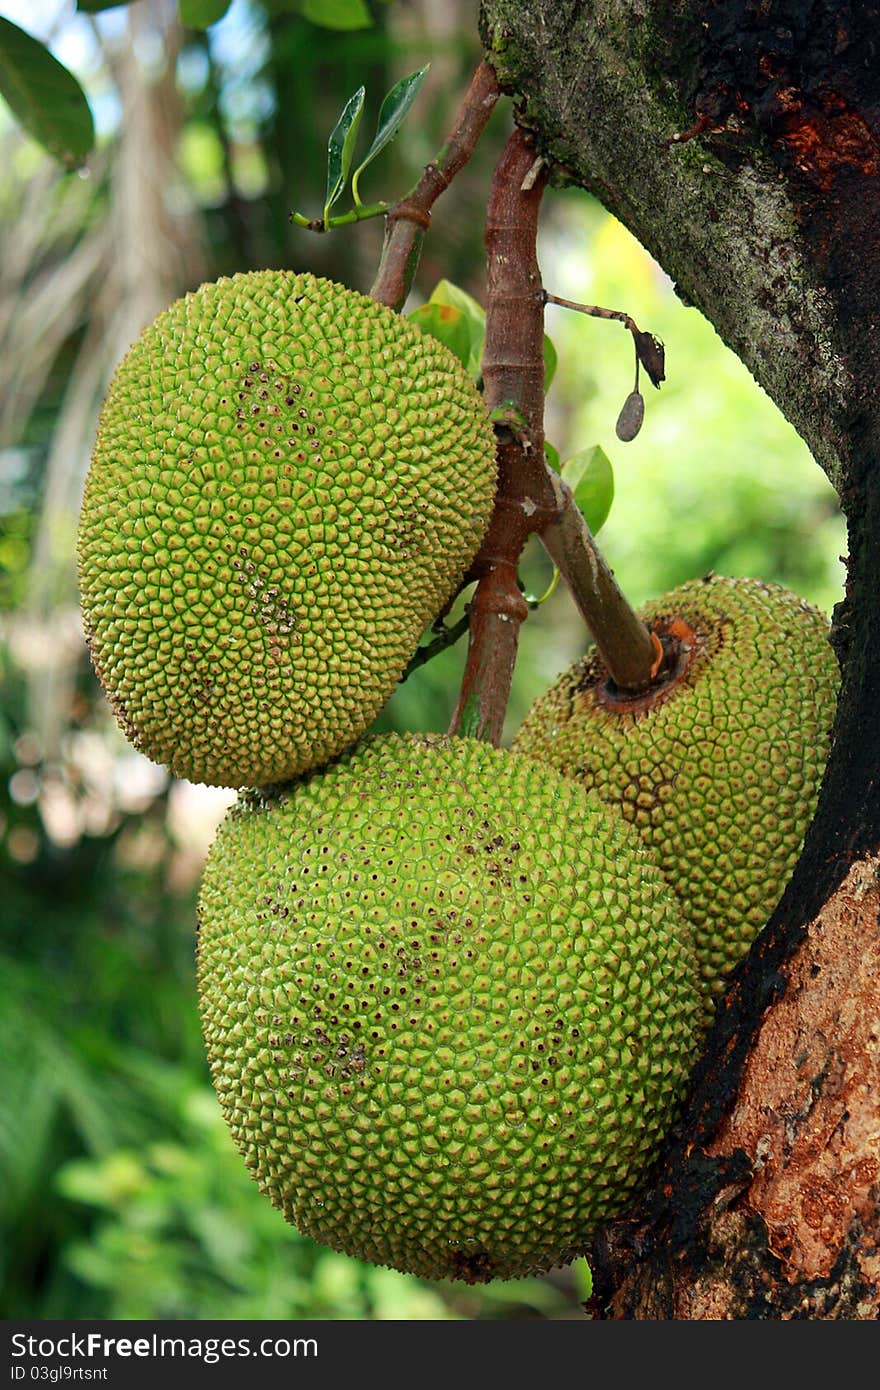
(495,614)
(407,222)
(531,497)
(632,654)
(513,375)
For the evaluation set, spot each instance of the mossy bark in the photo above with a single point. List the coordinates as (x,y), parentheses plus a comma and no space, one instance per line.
(767,216)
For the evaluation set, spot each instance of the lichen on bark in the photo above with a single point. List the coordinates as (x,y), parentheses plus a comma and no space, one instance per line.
(606,86)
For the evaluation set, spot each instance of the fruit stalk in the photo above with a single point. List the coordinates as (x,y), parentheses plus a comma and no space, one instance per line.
(513,378)
(531,498)
(407,222)
(631,654)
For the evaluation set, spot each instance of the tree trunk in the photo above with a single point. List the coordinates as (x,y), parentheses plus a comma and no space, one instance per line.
(740,141)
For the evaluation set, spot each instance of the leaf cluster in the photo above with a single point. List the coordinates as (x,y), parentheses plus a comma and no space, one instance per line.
(343,138)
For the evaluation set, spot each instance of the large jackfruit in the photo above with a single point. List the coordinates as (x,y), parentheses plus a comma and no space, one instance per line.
(288,482)
(719,768)
(449,1005)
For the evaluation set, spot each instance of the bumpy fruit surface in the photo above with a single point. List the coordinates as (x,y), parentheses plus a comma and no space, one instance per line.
(288,482)
(720,768)
(449,1005)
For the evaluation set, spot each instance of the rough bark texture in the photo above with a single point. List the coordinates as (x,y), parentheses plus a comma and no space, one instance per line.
(768,219)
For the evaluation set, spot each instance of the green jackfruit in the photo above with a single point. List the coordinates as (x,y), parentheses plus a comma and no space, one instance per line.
(289,481)
(449,1006)
(720,769)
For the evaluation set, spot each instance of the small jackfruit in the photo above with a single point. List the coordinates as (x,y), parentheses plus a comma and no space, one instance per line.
(449,1006)
(289,480)
(719,768)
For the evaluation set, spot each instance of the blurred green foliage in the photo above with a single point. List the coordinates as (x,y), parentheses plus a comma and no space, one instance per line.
(120,1192)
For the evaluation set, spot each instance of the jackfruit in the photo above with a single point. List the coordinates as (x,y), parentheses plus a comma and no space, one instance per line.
(719,767)
(289,480)
(449,1005)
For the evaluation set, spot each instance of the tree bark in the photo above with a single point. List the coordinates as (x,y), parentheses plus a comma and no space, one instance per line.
(740,141)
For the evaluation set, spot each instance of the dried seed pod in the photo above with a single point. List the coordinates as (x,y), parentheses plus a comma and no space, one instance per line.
(652,355)
(629,421)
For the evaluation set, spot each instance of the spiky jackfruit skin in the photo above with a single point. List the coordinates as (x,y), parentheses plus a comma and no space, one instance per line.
(448,1003)
(721,774)
(288,482)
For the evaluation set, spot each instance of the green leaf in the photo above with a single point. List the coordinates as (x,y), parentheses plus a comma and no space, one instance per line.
(340,149)
(591,478)
(509,415)
(534,600)
(201,14)
(96,6)
(392,113)
(448,325)
(583,1277)
(445,292)
(338,14)
(550,360)
(46,98)
(552,454)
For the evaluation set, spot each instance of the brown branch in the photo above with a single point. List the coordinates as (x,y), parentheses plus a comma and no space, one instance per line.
(594,310)
(495,615)
(531,497)
(513,375)
(649,350)
(407,222)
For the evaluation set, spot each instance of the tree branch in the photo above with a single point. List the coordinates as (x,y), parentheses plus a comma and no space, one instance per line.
(407,222)
(531,498)
(513,375)
(632,654)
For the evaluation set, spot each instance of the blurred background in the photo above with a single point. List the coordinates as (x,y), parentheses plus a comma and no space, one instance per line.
(120,1193)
